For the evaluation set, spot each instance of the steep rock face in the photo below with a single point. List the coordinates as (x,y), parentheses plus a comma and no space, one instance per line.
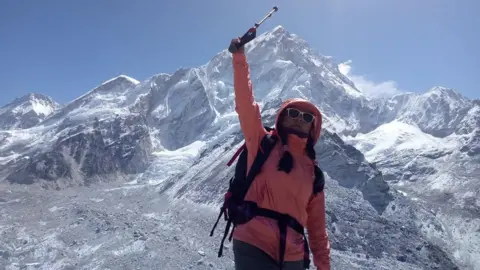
(180,110)
(472,144)
(26,111)
(349,166)
(98,151)
(469,128)
(156,92)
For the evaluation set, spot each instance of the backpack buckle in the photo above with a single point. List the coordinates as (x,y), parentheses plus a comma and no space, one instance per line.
(241,213)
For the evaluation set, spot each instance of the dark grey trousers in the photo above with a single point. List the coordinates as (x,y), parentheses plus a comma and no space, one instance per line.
(248,257)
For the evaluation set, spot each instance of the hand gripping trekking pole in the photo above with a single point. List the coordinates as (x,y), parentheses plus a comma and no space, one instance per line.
(250,34)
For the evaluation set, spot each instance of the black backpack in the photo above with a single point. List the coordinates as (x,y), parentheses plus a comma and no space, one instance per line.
(241,211)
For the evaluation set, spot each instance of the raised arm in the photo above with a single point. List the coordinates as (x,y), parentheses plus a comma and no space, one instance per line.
(247,109)
(317,232)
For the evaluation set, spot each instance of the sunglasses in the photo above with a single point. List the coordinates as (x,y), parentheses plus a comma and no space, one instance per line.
(306,117)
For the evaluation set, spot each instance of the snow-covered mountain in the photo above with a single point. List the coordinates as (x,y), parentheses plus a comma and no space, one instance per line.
(139,167)
(26,111)
(430,151)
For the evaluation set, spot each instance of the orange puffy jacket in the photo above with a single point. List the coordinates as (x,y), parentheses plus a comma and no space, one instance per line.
(272,189)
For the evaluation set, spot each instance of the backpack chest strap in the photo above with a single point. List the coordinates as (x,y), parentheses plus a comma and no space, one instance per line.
(253,209)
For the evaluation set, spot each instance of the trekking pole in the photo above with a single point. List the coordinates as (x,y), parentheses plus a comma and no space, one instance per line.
(250,34)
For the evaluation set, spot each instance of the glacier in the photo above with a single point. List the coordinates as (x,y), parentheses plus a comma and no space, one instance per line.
(131,174)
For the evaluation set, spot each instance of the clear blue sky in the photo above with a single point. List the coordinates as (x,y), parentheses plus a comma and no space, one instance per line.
(65,48)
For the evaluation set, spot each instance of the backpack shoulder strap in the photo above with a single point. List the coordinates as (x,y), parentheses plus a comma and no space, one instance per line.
(266,146)
(239,151)
(243,148)
(319,182)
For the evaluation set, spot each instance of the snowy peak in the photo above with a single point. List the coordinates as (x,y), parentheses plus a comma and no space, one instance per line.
(279,29)
(289,43)
(279,35)
(26,111)
(397,135)
(40,104)
(161,76)
(446,94)
(107,100)
(118,83)
(439,111)
(281,56)
(283,44)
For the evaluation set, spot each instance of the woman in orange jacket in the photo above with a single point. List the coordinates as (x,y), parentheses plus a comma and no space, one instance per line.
(285,183)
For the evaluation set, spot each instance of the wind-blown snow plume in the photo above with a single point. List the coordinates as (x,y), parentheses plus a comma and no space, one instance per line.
(384,89)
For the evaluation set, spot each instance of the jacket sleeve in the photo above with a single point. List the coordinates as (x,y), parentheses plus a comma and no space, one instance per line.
(247,109)
(317,232)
